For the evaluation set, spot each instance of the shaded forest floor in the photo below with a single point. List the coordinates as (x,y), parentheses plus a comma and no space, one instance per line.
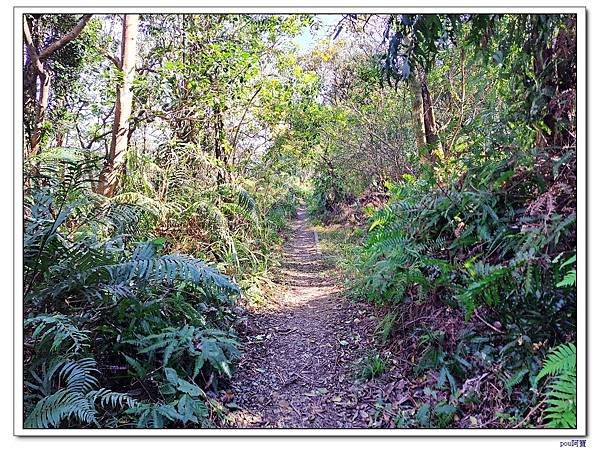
(299,369)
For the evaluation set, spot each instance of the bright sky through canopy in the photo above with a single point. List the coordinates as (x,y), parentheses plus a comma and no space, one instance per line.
(310,37)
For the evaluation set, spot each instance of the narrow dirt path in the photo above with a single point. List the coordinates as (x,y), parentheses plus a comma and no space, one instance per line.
(299,365)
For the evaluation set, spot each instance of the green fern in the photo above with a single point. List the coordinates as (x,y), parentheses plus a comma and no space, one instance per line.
(93,272)
(51,411)
(57,329)
(561,401)
(193,345)
(561,359)
(144,265)
(215,223)
(77,400)
(239,195)
(570,278)
(561,393)
(157,415)
(486,283)
(514,380)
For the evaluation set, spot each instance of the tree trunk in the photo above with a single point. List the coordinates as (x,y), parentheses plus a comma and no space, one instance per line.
(219,142)
(109,176)
(219,137)
(429,120)
(40,113)
(425,128)
(36,70)
(417,111)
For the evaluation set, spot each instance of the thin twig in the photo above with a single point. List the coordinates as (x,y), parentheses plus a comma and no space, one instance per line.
(294,408)
(487,323)
(534,409)
(209,382)
(288,331)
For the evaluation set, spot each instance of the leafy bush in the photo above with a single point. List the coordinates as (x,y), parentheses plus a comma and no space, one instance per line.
(490,231)
(330,191)
(99,303)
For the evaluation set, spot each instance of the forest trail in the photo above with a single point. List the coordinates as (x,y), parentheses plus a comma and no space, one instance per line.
(299,366)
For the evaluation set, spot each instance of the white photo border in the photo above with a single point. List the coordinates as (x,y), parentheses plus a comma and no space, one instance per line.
(582,307)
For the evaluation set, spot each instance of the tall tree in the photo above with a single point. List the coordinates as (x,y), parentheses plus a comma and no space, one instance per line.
(37,76)
(418,112)
(424,124)
(113,163)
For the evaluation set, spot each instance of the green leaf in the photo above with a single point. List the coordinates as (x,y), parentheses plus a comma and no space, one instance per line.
(171,375)
(139,370)
(189,388)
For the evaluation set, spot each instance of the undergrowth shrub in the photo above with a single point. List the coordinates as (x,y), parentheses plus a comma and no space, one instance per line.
(117,332)
(494,238)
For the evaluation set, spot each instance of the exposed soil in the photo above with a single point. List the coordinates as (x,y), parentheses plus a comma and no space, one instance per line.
(299,368)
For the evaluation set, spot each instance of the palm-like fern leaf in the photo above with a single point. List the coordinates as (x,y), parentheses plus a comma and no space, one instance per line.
(57,328)
(78,375)
(561,394)
(144,265)
(53,409)
(77,399)
(561,401)
(560,360)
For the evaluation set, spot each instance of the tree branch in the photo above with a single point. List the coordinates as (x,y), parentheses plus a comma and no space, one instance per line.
(33,55)
(114,59)
(64,40)
(237,131)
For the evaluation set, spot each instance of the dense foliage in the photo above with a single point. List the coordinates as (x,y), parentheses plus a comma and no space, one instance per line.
(131,300)
(482,218)
(447,143)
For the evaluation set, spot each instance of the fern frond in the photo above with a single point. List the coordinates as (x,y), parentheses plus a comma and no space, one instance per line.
(570,279)
(561,401)
(152,206)
(234,210)
(212,219)
(57,328)
(77,399)
(144,266)
(105,275)
(78,375)
(53,409)
(559,360)
(561,393)
(107,398)
(238,194)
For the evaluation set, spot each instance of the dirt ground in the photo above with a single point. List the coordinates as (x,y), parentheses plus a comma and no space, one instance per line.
(299,369)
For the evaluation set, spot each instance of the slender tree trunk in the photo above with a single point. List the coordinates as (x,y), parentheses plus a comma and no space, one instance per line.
(418,114)
(30,80)
(219,142)
(431,135)
(40,114)
(109,176)
(424,124)
(428,117)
